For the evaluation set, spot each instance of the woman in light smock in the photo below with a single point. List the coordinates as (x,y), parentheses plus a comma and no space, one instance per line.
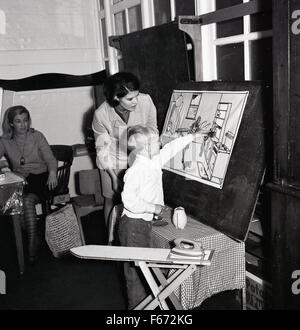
(124,107)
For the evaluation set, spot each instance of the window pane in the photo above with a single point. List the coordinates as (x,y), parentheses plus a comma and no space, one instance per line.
(227,3)
(162,11)
(230,28)
(261,60)
(135,18)
(101,4)
(261,21)
(104,36)
(120,23)
(230,62)
(186,7)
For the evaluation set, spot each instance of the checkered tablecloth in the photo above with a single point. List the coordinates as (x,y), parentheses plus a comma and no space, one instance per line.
(226,272)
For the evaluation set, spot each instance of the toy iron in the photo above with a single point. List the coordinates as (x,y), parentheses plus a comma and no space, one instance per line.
(186,247)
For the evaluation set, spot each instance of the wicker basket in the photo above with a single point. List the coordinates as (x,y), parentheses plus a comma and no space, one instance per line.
(62,231)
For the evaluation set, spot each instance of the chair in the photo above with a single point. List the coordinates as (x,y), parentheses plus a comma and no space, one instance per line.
(60,195)
(90,198)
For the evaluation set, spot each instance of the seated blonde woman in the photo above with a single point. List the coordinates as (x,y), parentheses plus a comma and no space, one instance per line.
(30,156)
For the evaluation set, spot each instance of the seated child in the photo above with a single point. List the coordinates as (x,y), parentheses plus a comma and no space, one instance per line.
(142,196)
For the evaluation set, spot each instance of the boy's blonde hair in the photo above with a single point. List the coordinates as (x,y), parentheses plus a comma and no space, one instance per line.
(138,137)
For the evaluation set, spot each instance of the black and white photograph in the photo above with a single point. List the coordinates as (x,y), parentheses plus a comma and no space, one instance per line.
(149,158)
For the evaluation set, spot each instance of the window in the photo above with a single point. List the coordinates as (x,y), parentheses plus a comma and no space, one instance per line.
(226,44)
(119,17)
(240,48)
(186,7)
(231,27)
(229,58)
(135,18)
(162,11)
(127,16)
(166,10)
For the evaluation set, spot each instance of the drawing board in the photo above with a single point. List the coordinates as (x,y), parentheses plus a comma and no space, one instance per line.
(220,114)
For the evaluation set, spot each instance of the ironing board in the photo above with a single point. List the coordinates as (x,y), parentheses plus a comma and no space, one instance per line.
(150,259)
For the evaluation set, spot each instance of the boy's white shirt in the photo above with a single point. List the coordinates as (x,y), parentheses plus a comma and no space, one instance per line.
(143,180)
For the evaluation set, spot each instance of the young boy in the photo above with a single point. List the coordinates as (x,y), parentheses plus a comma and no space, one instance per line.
(142,196)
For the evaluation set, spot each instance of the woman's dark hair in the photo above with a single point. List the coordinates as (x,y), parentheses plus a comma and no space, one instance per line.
(119,85)
(8,119)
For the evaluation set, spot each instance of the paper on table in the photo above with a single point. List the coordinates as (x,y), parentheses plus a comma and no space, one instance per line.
(11,177)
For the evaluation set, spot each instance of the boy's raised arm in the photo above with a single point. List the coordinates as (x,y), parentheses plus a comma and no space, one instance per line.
(173,147)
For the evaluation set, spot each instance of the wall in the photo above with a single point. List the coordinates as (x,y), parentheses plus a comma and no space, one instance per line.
(48,36)
(62,115)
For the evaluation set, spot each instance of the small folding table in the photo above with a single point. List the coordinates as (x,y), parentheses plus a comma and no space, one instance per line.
(149,259)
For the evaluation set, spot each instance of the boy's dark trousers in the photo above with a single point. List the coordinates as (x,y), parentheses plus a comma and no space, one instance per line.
(134,232)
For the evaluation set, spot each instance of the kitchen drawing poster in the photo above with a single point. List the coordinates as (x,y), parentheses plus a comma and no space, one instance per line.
(219,114)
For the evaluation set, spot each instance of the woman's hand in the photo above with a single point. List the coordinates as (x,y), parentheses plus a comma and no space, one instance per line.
(52,180)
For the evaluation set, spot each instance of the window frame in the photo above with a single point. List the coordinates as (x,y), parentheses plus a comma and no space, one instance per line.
(121,6)
(210,44)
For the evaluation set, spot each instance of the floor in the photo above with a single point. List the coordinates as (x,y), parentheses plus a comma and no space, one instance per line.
(71,283)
